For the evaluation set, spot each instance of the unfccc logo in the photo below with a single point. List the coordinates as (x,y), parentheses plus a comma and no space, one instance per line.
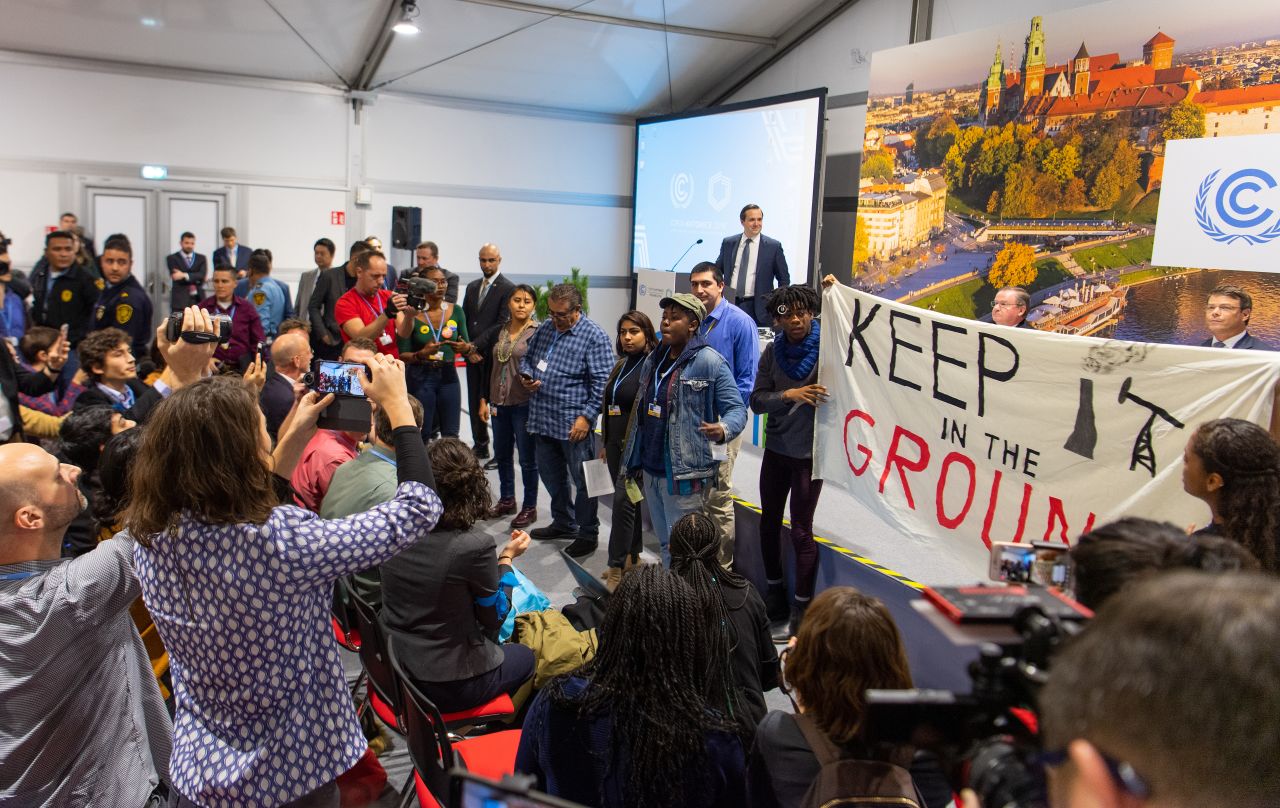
(681,189)
(1231,213)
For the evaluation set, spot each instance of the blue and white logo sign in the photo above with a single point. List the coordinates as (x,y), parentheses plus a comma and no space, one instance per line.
(1231,213)
(1220,204)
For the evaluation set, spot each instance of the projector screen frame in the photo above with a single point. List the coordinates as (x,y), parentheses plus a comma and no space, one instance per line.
(820,148)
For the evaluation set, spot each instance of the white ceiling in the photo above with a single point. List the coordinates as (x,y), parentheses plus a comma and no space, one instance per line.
(489,50)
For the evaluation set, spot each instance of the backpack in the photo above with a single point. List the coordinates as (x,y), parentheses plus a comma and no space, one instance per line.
(845,782)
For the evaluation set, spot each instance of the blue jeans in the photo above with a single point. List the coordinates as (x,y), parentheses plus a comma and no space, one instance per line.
(667,509)
(559,466)
(510,431)
(439,392)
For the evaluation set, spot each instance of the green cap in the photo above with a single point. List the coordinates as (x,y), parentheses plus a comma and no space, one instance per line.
(686,301)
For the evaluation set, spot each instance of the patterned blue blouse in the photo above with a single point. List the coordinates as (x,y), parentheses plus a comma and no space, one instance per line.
(263,712)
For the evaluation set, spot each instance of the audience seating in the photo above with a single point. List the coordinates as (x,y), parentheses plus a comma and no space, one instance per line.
(434,754)
(344,626)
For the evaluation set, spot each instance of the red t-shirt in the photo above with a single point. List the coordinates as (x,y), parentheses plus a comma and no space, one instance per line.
(354,305)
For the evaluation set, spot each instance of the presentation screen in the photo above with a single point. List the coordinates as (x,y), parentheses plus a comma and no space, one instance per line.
(694,173)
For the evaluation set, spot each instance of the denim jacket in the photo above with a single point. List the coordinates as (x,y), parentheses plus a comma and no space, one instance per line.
(702,389)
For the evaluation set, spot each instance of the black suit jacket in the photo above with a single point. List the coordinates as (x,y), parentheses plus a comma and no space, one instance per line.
(1247,343)
(771,272)
(145,400)
(191,291)
(330,285)
(276,399)
(429,594)
(14,378)
(492,312)
(240,260)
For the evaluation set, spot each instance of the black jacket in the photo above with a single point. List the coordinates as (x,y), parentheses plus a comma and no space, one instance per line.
(70,301)
(191,291)
(276,399)
(144,400)
(1247,343)
(330,285)
(15,379)
(429,608)
(492,312)
(128,308)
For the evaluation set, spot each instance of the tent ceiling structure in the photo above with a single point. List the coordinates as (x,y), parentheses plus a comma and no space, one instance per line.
(613,57)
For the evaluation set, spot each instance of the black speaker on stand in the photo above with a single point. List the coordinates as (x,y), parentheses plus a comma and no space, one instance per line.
(406,227)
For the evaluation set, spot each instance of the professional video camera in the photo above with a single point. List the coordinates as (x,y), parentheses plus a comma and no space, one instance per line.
(416,289)
(988,739)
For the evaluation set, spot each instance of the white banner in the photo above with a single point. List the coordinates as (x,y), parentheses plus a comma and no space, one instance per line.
(961,433)
(1220,204)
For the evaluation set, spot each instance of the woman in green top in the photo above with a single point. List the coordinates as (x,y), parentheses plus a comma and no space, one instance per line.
(439,335)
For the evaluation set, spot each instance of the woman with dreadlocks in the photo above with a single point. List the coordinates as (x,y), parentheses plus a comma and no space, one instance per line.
(787,390)
(737,628)
(633,728)
(1234,466)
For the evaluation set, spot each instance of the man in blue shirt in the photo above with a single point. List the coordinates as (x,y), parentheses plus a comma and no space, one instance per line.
(568,359)
(732,333)
(268,295)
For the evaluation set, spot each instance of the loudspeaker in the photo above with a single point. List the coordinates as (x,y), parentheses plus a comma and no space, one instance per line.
(406,227)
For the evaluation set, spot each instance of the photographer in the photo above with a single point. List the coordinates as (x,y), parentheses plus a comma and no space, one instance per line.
(436,337)
(1170,697)
(241,587)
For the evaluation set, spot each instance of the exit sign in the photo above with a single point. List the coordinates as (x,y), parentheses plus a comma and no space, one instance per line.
(337,217)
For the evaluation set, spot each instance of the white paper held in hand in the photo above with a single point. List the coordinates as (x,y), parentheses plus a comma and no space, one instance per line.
(596,474)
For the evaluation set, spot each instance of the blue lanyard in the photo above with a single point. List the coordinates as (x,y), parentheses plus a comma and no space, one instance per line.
(376,453)
(657,382)
(552,346)
(231,312)
(613,395)
(367,305)
(18,576)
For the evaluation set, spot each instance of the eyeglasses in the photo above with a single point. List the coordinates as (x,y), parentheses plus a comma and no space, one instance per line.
(1000,305)
(1122,773)
(561,315)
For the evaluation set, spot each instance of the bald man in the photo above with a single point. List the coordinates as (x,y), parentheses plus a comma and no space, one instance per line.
(485,305)
(85,723)
(290,358)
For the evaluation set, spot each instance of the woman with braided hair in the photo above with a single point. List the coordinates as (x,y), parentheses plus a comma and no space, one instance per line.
(737,628)
(1234,467)
(787,390)
(633,728)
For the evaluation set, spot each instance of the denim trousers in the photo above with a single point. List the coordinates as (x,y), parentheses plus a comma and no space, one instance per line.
(510,432)
(439,392)
(779,476)
(560,467)
(666,509)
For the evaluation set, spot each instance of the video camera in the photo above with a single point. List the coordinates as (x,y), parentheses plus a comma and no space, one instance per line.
(221,325)
(416,289)
(988,739)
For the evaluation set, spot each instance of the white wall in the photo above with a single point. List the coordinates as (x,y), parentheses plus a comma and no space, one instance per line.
(553,192)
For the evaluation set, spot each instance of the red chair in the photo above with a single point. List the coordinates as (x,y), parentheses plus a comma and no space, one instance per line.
(343,621)
(384,697)
(434,753)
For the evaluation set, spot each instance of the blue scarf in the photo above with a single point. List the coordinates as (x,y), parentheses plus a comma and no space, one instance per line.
(797,359)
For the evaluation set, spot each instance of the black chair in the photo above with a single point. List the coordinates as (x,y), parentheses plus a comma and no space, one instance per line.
(434,753)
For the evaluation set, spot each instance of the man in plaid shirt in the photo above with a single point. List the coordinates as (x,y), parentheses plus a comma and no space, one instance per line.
(565,368)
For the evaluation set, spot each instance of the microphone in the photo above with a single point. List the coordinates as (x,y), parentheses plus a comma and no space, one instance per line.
(683,254)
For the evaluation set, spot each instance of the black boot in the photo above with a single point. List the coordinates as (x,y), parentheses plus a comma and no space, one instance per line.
(582,547)
(783,635)
(775,603)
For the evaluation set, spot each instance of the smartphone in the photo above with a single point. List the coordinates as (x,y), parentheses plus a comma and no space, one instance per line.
(1037,563)
(64,330)
(340,378)
(526,377)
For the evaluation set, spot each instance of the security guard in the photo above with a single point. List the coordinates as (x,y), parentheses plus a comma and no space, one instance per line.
(63,292)
(123,303)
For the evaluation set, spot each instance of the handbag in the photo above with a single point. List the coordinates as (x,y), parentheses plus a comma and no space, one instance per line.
(525,597)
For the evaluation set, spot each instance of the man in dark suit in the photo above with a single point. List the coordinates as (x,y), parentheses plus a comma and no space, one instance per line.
(1010,307)
(323,251)
(331,284)
(290,358)
(1226,316)
(753,266)
(187,270)
(485,304)
(232,254)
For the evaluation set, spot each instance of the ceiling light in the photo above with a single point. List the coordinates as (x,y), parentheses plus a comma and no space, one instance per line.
(150,22)
(406,24)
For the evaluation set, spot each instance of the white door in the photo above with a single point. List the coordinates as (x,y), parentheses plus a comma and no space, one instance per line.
(202,215)
(124,212)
